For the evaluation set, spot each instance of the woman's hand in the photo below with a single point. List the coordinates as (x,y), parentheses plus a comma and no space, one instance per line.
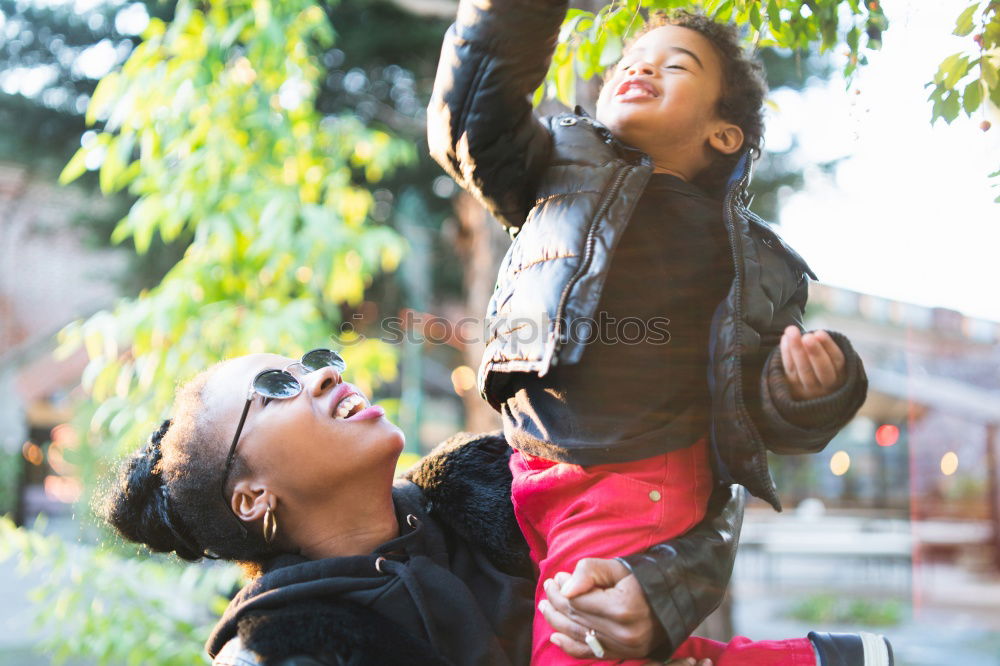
(814,365)
(601,595)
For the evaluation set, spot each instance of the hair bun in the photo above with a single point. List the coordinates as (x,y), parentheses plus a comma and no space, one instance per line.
(138,506)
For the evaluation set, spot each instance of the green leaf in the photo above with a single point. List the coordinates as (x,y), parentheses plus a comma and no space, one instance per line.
(75,168)
(755,18)
(972,97)
(964,24)
(951,69)
(572,23)
(724,12)
(773,14)
(989,73)
(995,95)
(566,82)
(853,39)
(106,89)
(612,51)
(957,71)
(950,106)
(538,95)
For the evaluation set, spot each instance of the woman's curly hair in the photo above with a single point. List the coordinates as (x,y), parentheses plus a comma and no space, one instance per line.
(167,494)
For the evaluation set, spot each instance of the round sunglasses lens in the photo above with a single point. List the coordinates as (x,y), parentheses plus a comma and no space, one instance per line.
(277,384)
(321,358)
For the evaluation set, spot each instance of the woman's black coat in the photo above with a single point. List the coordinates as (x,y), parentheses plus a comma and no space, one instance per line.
(464,486)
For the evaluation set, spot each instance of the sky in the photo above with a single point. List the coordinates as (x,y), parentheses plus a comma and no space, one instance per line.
(908,214)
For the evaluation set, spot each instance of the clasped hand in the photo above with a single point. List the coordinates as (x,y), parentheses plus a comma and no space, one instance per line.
(604,596)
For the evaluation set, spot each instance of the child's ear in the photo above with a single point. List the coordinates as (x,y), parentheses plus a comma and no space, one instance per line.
(726,138)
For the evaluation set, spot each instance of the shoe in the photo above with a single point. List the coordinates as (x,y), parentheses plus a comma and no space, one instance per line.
(861,649)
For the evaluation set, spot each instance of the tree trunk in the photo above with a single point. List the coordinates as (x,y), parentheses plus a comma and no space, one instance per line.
(480,244)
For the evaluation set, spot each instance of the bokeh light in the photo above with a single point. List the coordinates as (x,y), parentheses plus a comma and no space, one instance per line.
(463,378)
(886,435)
(840,463)
(949,463)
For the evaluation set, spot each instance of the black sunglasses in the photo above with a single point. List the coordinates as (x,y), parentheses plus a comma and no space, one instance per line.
(277,385)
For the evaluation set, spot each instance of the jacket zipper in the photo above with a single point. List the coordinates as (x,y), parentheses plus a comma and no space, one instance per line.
(739,186)
(555,341)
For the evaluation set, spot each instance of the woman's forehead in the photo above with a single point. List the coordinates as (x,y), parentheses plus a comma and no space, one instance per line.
(229,382)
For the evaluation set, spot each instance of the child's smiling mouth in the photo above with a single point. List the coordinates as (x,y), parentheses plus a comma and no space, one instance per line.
(636,89)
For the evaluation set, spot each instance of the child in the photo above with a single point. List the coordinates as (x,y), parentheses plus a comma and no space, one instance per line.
(671,354)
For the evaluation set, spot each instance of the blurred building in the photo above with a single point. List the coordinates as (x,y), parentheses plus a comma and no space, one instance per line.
(48,278)
(925,445)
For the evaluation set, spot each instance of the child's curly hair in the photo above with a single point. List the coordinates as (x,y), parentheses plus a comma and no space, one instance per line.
(743,86)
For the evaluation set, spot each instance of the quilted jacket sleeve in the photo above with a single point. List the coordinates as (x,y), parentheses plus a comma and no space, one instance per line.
(480,125)
(800,426)
(684,579)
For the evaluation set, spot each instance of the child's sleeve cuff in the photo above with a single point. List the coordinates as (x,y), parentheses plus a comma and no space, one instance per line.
(830,411)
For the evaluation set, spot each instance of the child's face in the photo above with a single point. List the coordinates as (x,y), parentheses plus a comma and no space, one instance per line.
(664,90)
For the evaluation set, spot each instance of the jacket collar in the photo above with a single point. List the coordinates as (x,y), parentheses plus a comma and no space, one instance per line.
(739,180)
(736,185)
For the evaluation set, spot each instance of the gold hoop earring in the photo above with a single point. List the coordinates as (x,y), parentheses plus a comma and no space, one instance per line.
(270,525)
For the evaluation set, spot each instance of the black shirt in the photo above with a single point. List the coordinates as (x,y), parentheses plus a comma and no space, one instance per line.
(640,387)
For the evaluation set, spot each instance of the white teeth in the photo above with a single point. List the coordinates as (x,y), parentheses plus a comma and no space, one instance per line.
(348,404)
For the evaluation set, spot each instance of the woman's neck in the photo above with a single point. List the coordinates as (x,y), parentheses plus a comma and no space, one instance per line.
(352,531)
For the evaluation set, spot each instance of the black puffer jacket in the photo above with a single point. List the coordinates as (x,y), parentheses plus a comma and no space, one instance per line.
(566,189)
(341,610)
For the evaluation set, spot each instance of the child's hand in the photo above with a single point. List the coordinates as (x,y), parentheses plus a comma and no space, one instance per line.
(814,364)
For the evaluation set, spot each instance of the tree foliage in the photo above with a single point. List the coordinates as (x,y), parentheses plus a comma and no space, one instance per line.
(590,42)
(211,123)
(212,126)
(969,79)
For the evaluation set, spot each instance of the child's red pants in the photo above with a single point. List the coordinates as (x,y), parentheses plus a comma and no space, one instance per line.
(568,512)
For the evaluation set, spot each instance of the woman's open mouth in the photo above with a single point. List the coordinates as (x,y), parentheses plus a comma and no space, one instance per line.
(348,406)
(354,407)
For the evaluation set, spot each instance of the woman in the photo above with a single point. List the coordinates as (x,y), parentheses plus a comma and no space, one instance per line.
(350,567)
(282,466)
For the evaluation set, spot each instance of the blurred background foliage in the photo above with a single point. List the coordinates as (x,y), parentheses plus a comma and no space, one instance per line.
(264,168)
(116,609)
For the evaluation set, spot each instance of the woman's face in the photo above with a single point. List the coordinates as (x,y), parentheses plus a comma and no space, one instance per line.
(297,447)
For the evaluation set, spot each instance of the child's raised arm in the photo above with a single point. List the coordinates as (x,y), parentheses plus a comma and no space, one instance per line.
(480,124)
